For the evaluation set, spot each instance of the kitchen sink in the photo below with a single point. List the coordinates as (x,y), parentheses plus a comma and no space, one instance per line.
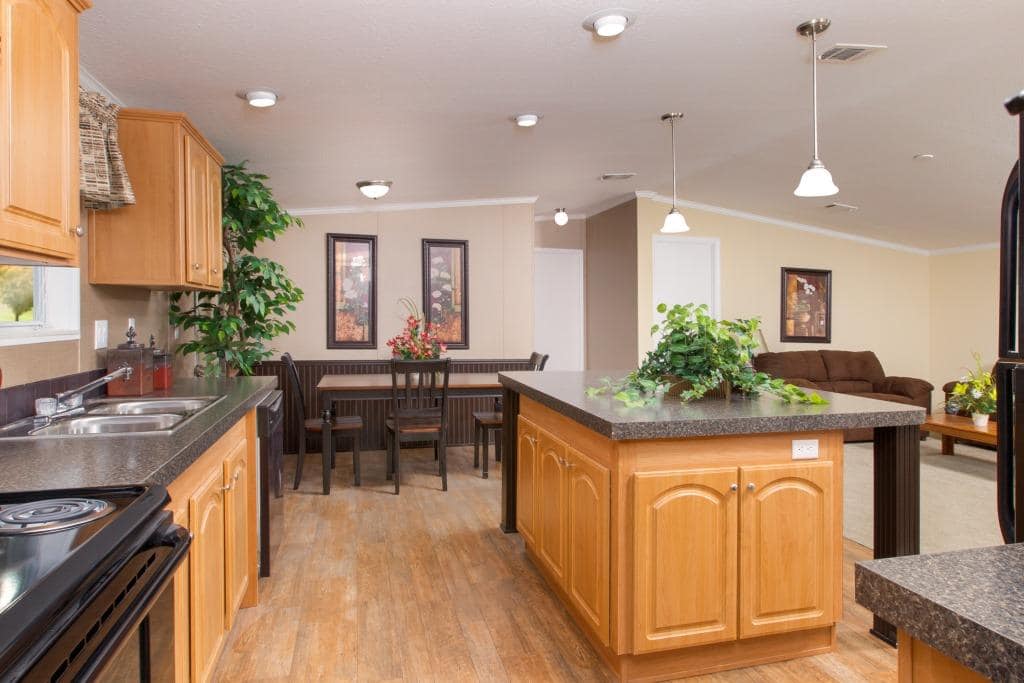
(184,406)
(110,424)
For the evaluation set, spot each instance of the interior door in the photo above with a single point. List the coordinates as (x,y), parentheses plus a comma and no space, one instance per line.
(551,492)
(197,221)
(558,307)
(38,128)
(588,530)
(684,270)
(787,553)
(526,481)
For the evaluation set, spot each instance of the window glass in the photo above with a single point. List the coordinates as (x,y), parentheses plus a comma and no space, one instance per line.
(18,294)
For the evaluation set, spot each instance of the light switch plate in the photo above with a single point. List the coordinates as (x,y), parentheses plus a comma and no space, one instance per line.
(99,337)
(805,449)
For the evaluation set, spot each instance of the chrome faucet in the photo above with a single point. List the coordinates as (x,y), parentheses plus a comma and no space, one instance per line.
(64,396)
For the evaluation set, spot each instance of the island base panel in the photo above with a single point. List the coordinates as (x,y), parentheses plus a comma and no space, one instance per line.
(920,662)
(509,459)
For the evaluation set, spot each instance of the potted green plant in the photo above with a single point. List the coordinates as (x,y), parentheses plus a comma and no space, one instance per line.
(231,328)
(975,393)
(698,356)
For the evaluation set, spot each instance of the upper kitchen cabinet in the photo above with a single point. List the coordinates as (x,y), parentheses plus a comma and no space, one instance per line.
(171,237)
(39,130)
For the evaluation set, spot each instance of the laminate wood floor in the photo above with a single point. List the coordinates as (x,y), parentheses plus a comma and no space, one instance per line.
(369,586)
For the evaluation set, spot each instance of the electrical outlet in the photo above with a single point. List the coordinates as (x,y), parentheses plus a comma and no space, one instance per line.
(99,337)
(805,449)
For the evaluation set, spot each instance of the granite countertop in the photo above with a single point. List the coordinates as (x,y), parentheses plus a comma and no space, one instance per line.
(566,393)
(967,604)
(35,463)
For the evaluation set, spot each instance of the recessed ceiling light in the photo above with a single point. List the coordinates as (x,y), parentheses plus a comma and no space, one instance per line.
(609,23)
(374,189)
(561,217)
(924,157)
(526,120)
(259,98)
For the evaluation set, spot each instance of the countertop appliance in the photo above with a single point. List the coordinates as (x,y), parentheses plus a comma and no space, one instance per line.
(1010,367)
(85,580)
(270,428)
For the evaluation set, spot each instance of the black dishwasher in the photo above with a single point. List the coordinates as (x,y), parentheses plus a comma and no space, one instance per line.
(270,418)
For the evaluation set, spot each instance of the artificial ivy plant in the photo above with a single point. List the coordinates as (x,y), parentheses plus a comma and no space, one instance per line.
(231,328)
(695,355)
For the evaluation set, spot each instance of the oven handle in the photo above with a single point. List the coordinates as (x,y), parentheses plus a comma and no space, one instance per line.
(177,539)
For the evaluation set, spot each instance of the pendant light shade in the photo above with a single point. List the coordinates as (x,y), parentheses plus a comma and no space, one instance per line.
(816,181)
(674,221)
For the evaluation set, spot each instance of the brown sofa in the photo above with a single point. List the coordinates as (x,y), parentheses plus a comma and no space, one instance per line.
(846,372)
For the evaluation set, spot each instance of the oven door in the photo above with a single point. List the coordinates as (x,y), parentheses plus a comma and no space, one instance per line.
(126,632)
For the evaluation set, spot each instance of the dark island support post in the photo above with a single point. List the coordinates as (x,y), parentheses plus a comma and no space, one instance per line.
(509,457)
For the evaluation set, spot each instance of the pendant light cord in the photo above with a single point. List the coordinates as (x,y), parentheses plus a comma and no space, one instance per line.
(814,88)
(672,127)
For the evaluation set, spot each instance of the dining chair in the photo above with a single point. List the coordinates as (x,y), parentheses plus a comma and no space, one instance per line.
(419,412)
(485,422)
(347,425)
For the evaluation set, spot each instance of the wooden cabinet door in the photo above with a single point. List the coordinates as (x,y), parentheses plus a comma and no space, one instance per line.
(588,531)
(551,495)
(787,553)
(685,548)
(236,481)
(179,584)
(207,572)
(214,225)
(197,209)
(526,481)
(39,129)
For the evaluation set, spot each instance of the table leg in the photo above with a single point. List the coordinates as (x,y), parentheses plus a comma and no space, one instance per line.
(509,456)
(947,444)
(327,440)
(897,501)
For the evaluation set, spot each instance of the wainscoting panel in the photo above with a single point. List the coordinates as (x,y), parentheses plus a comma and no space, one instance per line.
(460,410)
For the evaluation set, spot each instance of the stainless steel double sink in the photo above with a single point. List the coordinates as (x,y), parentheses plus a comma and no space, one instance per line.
(115,416)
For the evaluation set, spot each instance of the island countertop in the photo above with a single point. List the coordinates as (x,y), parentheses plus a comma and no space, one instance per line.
(967,604)
(37,463)
(566,393)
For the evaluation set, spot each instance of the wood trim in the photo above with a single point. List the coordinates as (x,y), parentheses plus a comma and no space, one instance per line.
(175,117)
(80,5)
(371,241)
(427,244)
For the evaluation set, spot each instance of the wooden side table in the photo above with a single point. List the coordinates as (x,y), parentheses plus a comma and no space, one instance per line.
(953,427)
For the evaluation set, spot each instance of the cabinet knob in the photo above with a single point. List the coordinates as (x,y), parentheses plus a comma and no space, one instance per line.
(734,487)
(228,487)
(214,271)
(196,266)
(750,486)
(79,230)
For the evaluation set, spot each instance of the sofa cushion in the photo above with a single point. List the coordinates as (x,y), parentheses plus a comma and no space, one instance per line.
(862,365)
(797,364)
(895,398)
(852,386)
(826,385)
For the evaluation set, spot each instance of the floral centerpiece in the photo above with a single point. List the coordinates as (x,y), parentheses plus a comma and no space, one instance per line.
(419,339)
(699,355)
(975,393)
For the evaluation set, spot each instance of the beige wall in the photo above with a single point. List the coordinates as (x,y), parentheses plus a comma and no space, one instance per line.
(881,297)
(964,313)
(573,235)
(501,241)
(611,294)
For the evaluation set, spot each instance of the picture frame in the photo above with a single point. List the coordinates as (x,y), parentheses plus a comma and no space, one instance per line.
(806,306)
(446,289)
(351,291)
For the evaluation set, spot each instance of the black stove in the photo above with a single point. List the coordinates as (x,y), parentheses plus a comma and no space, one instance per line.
(80,572)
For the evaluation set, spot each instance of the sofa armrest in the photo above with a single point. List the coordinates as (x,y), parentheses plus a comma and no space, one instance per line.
(911,387)
(948,387)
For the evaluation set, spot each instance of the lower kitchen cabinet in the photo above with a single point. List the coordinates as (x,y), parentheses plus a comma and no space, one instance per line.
(526,471)
(215,498)
(551,493)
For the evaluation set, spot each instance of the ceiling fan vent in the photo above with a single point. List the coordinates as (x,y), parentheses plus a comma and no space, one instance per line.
(618,175)
(848,52)
(837,206)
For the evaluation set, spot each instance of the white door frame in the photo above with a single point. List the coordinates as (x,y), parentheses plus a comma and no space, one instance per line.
(583,294)
(716,248)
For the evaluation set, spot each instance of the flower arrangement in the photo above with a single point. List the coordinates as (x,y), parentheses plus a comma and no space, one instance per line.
(419,339)
(975,393)
(696,355)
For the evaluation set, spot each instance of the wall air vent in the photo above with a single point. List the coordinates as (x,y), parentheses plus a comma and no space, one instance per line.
(836,206)
(618,175)
(848,52)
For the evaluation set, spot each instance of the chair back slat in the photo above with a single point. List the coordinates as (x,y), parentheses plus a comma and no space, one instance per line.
(419,389)
(538,361)
(293,379)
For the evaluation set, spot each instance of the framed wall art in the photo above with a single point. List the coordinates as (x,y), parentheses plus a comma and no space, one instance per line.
(351,291)
(446,289)
(806,305)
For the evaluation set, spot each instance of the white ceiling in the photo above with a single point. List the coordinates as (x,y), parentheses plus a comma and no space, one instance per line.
(421,92)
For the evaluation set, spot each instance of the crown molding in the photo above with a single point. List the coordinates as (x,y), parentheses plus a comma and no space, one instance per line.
(984,246)
(409,206)
(90,82)
(550,217)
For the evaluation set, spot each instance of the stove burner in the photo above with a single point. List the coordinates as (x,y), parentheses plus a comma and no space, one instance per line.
(51,515)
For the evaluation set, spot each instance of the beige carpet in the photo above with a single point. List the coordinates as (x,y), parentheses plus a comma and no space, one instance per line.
(958,497)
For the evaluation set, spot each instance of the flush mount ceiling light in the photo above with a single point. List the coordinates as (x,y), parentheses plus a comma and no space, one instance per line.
(816,181)
(609,23)
(674,221)
(526,120)
(561,217)
(374,189)
(259,98)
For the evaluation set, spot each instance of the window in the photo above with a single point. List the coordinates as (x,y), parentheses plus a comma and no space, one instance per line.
(38,304)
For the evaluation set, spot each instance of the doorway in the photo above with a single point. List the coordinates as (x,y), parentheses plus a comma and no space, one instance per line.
(558,307)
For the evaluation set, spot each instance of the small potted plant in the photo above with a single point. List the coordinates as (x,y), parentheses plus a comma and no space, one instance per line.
(419,340)
(975,393)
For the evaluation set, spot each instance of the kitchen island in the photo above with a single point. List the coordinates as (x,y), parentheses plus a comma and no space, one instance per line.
(687,538)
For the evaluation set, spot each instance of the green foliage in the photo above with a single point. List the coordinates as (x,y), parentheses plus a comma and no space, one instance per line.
(695,355)
(16,289)
(231,328)
(975,392)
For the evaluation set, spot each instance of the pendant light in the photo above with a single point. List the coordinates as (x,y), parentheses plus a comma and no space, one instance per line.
(674,221)
(816,180)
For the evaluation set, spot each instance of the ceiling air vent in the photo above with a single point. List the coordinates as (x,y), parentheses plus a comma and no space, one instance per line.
(836,206)
(618,175)
(848,52)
